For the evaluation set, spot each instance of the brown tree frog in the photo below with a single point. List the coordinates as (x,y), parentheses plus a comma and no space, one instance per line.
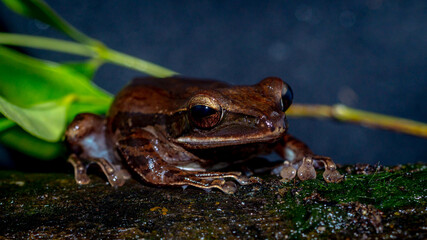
(178,131)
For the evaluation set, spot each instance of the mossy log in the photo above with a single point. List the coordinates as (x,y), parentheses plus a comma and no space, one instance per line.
(372,202)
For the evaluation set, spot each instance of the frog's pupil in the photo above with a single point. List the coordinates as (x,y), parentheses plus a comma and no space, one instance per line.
(201,111)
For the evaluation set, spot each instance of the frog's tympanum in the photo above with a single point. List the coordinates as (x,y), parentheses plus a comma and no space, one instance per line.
(179,131)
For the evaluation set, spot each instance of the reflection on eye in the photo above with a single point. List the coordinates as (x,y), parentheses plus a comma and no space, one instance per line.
(204,117)
(287,97)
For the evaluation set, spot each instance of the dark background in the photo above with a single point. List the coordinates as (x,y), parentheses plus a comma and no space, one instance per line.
(368,54)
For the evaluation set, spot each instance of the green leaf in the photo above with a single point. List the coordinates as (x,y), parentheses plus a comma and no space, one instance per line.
(18,139)
(5,124)
(80,107)
(64,89)
(26,81)
(46,121)
(39,10)
(87,68)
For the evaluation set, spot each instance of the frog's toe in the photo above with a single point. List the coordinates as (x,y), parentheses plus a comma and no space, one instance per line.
(306,170)
(288,172)
(229,187)
(218,182)
(243,180)
(124,174)
(82,179)
(79,170)
(332,176)
(115,175)
(116,180)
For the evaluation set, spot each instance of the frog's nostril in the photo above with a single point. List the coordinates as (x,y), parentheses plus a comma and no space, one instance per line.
(269,124)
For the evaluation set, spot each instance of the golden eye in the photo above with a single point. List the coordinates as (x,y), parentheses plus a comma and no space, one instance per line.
(204,117)
(287,97)
(204,112)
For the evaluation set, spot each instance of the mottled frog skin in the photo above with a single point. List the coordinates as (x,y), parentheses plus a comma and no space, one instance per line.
(175,131)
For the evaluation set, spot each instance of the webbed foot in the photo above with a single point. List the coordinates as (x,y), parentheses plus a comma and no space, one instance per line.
(307,171)
(296,153)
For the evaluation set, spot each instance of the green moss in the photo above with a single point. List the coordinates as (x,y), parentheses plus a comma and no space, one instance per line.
(315,208)
(385,189)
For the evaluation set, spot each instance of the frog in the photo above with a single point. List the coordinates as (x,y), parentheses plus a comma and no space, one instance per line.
(180,131)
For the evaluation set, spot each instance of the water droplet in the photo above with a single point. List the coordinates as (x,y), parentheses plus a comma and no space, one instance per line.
(41,25)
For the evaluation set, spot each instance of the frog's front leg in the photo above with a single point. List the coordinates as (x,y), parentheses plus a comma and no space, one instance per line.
(297,154)
(142,150)
(86,139)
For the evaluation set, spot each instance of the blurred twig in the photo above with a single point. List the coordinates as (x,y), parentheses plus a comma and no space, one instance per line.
(345,114)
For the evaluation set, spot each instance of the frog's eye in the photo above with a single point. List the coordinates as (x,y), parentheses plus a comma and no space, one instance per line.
(204,116)
(287,97)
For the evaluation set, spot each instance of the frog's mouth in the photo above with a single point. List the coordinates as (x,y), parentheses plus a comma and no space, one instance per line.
(229,136)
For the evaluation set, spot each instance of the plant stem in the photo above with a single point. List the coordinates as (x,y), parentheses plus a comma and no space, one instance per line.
(46,44)
(100,51)
(136,63)
(345,114)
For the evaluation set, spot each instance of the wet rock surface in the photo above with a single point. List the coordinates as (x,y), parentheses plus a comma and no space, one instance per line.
(377,202)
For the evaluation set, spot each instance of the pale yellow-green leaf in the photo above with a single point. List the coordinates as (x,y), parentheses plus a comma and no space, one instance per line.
(46,121)
(25,80)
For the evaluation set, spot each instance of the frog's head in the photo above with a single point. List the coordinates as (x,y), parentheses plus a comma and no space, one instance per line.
(235,115)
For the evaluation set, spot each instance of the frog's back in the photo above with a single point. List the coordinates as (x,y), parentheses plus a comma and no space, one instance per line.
(150,95)
(178,86)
